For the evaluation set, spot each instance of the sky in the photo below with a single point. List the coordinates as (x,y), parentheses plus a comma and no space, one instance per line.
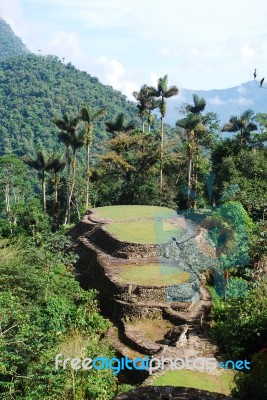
(199,44)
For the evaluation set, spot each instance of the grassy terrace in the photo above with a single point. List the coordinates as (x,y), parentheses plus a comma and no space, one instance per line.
(139,224)
(214,383)
(130,212)
(152,274)
(145,231)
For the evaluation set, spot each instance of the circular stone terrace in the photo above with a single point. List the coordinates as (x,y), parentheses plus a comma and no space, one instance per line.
(139,224)
(133,245)
(137,257)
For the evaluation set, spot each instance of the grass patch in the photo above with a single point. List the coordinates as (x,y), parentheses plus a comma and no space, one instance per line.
(154,329)
(130,212)
(152,274)
(144,232)
(214,383)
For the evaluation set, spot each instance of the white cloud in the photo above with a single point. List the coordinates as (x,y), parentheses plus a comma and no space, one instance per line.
(113,73)
(195,53)
(241,89)
(154,79)
(63,43)
(10,10)
(216,101)
(165,51)
(242,101)
(247,54)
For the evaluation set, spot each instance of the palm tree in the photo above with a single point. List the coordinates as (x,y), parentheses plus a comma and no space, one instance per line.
(198,106)
(89,116)
(163,92)
(190,124)
(151,104)
(68,128)
(42,164)
(141,98)
(56,166)
(68,134)
(243,125)
(118,126)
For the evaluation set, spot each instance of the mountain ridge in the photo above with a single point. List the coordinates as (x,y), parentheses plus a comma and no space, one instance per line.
(34,89)
(10,44)
(224,102)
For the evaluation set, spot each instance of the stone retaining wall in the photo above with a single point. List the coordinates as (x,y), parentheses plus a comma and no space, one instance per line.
(132,310)
(118,248)
(98,257)
(170,392)
(138,341)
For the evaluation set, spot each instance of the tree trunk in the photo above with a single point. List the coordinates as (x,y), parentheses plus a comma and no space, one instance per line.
(87,176)
(161,156)
(44,191)
(8,209)
(189,182)
(71,189)
(67,214)
(56,188)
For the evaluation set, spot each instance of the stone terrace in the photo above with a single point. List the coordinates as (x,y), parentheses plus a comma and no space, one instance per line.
(100,255)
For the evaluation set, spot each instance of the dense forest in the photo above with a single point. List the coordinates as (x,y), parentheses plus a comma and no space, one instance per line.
(67,143)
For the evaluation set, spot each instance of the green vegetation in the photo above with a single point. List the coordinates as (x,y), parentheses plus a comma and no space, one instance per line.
(214,383)
(44,312)
(110,161)
(132,212)
(147,232)
(152,274)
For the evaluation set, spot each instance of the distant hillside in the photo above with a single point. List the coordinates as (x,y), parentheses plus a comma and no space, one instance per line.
(10,44)
(224,102)
(34,89)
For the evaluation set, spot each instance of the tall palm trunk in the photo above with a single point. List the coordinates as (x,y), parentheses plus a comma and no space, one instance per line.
(87,175)
(161,154)
(149,120)
(68,160)
(72,184)
(189,182)
(56,188)
(8,208)
(44,191)
(190,168)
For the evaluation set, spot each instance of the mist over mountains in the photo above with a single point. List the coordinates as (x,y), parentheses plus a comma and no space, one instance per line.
(224,102)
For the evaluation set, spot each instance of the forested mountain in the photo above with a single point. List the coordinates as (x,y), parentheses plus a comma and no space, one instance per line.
(35,89)
(10,44)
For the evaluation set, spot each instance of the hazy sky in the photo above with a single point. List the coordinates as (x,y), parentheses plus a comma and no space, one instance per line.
(200,44)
